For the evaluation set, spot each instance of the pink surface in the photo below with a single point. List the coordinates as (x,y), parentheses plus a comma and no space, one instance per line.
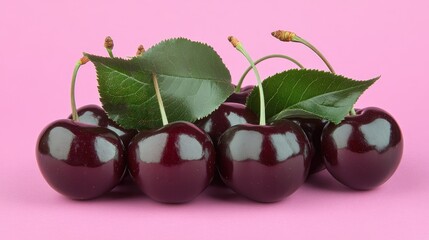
(41,40)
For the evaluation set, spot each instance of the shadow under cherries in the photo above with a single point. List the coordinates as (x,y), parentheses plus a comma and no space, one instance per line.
(323,180)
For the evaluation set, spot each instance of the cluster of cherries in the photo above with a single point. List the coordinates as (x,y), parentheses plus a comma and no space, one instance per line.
(87,155)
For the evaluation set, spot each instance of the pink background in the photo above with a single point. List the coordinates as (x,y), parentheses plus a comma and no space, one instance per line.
(41,40)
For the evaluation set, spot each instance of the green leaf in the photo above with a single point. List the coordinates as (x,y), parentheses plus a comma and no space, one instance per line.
(192,78)
(310,93)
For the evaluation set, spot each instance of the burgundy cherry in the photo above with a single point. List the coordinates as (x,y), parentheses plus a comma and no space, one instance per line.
(78,160)
(313,128)
(95,115)
(241,96)
(227,115)
(173,164)
(364,150)
(264,163)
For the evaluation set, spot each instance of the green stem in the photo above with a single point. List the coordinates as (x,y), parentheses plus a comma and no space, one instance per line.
(287,36)
(161,104)
(240,82)
(309,45)
(262,120)
(75,116)
(110,52)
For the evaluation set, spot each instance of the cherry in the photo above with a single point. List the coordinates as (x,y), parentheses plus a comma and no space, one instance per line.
(264,163)
(173,164)
(95,115)
(240,97)
(364,150)
(78,160)
(313,128)
(227,115)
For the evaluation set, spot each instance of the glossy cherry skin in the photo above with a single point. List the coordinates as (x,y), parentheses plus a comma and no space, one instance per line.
(95,115)
(173,164)
(78,160)
(264,163)
(227,115)
(364,150)
(240,97)
(313,128)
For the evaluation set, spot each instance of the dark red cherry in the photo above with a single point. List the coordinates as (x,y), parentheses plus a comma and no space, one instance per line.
(241,96)
(364,150)
(264,163)
(313,128)
(78,160)
(227,115)
(95,115)
(173,164)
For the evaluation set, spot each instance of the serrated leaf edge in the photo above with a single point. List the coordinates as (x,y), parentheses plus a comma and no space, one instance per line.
(275,117)
(91,58)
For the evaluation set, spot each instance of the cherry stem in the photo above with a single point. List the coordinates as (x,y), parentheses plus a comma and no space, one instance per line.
(287,36)
(234,41)
(303,41)
(79,63)
(108,45)
(240,82)
(158,96)
(110,53)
